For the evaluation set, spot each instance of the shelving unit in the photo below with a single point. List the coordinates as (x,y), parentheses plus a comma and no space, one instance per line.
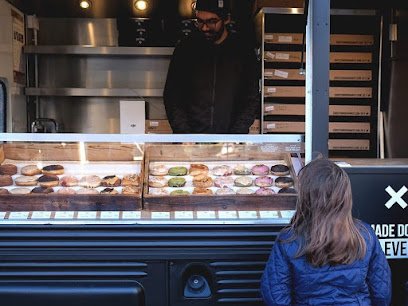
(69,79)
(354,62)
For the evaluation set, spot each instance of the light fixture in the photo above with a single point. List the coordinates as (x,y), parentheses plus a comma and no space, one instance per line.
(141,5)
(85,4)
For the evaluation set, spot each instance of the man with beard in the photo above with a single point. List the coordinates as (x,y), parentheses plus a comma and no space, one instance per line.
(212,82)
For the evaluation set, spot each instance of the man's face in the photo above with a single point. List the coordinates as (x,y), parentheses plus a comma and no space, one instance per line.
(211,25)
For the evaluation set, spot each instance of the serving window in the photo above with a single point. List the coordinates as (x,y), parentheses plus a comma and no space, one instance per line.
(97,182)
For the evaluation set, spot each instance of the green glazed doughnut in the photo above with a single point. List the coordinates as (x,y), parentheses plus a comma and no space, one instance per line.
(179,192)
(176,182)
(178,171)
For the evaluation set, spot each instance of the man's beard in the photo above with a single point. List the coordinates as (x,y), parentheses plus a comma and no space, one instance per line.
(212,35)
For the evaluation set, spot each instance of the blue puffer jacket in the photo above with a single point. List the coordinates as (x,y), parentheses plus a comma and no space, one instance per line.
(293,281)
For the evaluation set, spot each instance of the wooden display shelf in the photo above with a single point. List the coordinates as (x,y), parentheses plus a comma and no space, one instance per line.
(95,154)
(209,154)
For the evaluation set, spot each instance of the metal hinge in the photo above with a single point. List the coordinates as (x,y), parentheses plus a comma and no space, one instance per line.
(393,32)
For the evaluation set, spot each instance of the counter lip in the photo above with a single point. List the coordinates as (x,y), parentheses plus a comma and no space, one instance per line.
(151,138)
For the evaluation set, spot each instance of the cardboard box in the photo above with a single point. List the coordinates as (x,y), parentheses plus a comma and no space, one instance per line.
(284,127)
(349,127)
(350,110)
(163,127)
(255,127)
(349,144)
(334,110)
(335,57)
(299,127)
(283,56)
(335,75)
(283,74)
(351,57)
(284,38)
(351,92)
(284,109)
(335,39)
(351,75)
(284,91)
(334,92)
(158,127)
(351,40)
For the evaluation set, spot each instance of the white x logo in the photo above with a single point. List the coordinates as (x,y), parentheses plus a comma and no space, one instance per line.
(396,197)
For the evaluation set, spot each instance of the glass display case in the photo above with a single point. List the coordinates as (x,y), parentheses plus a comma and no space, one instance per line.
(98,179)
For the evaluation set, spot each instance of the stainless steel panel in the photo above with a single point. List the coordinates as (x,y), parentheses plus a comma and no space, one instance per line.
(94,92)
(83,50)
(102,72)
(78,31)
(92,114)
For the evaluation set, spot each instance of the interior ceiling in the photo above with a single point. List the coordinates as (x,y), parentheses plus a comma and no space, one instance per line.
(117,8)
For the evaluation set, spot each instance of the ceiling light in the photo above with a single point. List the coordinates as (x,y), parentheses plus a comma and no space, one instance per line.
(141,5)
(85,4)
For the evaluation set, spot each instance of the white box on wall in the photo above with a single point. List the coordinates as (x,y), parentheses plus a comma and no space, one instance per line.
(132,116)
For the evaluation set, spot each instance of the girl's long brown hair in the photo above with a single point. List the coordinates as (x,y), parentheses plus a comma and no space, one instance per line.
(323,222)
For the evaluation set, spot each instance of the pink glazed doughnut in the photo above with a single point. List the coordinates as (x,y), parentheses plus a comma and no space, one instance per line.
(264,181)
(260,170)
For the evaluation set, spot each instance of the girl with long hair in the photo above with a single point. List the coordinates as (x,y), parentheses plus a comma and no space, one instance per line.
(325,257)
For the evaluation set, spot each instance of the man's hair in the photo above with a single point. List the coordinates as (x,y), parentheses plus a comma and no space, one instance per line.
(219,7)
(323,222)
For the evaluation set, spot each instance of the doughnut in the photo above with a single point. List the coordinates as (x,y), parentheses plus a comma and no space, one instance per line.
(8,169)
(66,190)
(245,191)
(87,191)
(4,191)
(158,170)
(280,170)
(202,181)
(20,190)
(90,181)
(5,180)
(224,181)
(198,169)
(176,182)
(260,170)
(110,181)
(288,191)
(225,191)
(69,181)
(223,170)
(26,181)
(264,181)
(109,191)
(264,191)
(53,170)
(243,181)
(202,191)
(179,192)
(177,171)
(283,182)
(42,190)
(131,190)
(48,180)
(131,180)
(158,191)
(242,170)
(30,170)
(157,181)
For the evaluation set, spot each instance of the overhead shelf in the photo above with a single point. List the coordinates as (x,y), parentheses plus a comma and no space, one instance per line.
(87,50)
(94,92)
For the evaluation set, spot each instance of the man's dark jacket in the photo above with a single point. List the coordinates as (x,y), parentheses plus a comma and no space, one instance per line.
(212,88)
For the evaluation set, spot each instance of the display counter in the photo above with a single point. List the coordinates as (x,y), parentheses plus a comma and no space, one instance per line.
(196,228)
(181,237)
